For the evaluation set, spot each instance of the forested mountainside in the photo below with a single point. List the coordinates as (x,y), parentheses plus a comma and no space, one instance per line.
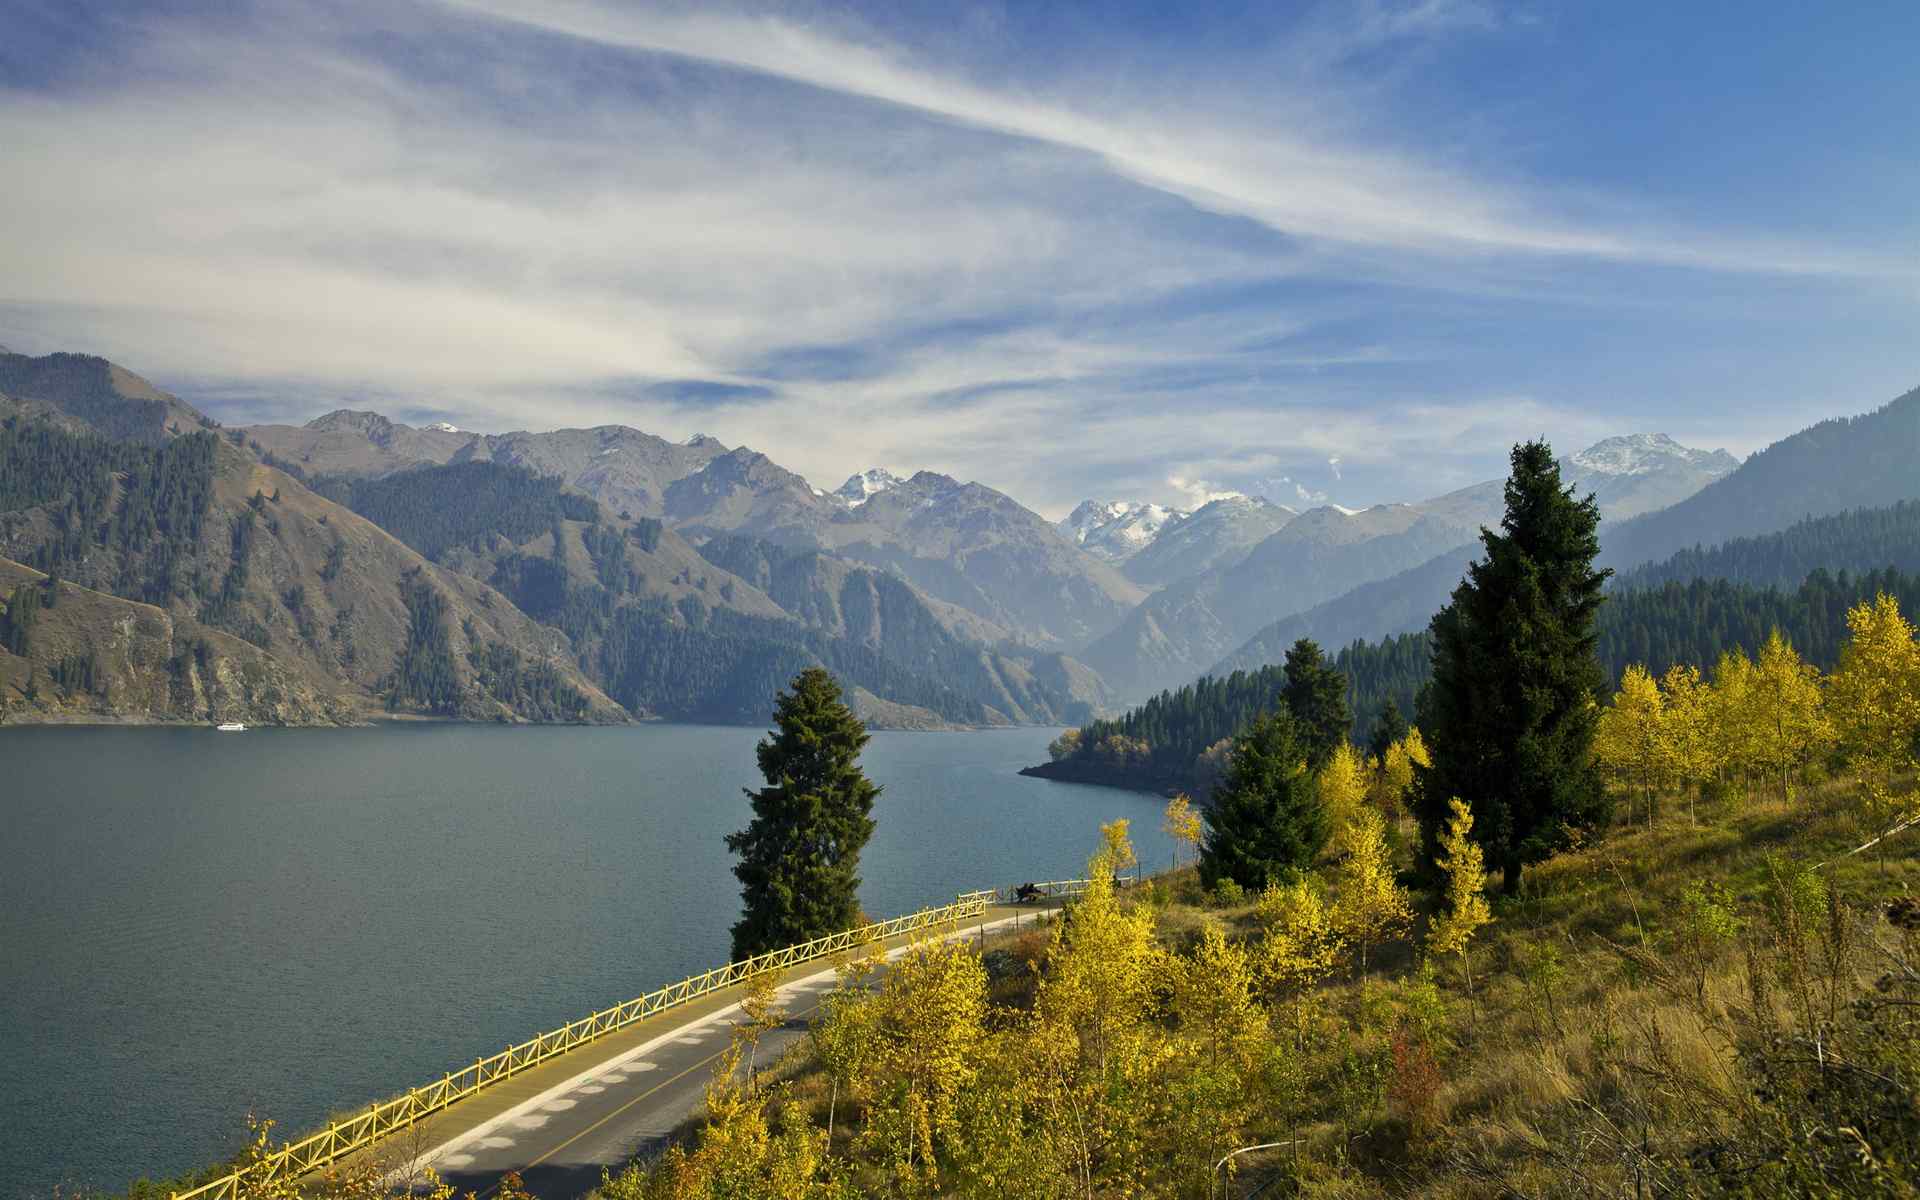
(1850,462)
(98,395)
(672,631)
(72,653)
(348,621)
(1863,539)
(1157,746)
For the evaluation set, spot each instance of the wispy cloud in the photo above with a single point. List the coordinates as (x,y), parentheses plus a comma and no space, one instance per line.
(842,241)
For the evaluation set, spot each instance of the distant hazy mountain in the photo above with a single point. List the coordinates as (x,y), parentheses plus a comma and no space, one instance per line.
(1336,575)
(1184,628)
(965,544)
(625,469)
(1628,476)
(1852,462)
(1219,534)
(1810,472)
(1116,530)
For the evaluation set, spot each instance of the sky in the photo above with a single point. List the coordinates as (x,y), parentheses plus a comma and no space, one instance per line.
(1344,252)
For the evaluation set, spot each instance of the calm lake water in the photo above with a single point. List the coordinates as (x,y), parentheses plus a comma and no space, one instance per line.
(194,925)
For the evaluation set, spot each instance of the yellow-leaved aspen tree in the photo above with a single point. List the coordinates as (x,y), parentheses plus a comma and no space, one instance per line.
(1789,723)
(843,1040)
(1118,846)
(1091,1044)
(928,1038)
(760,1012)
(1467,910)
(1874,695)
(1734,715)
(1628,739)
(1343,785)
(1301,946)
(1182,824)
(1371,906)
(1693,745)
(1222,1030)
(1213,1001)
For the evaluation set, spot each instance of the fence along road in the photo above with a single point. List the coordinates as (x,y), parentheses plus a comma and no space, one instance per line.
(442,1116)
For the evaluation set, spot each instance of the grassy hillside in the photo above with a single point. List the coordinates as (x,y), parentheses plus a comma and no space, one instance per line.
(1721,1004)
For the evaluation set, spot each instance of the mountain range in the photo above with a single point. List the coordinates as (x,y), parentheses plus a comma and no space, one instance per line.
(360,565)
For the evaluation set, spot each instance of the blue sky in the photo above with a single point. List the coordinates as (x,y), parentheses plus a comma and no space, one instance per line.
(1341,251)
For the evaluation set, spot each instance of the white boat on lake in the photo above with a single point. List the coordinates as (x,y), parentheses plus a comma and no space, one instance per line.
(231,727)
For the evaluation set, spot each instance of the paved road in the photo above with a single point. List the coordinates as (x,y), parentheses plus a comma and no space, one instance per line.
(599,1107)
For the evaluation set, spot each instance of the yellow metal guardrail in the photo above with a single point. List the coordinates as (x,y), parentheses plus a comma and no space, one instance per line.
(343,1137)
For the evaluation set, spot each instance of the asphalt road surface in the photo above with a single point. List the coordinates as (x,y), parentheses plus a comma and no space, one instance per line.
(617,1109)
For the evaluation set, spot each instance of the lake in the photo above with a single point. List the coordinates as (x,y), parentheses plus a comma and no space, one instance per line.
(194,925)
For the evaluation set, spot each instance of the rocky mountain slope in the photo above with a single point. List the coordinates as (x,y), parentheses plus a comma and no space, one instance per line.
(1218,534)
(347,621)
(672,630)
(87,656)
(964,544)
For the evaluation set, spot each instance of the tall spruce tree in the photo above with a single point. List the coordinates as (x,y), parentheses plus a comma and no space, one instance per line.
(1388,727)
(800,853)
(1511,714)
(1266,821)
(1316,695)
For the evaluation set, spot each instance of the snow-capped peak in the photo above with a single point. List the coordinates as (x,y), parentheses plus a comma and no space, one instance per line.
(444,427)
(1116,529)
(700,439)
(1643,453)
(858,489)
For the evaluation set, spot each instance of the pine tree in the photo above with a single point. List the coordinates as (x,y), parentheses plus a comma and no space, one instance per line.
(1316,695)
(800,855)
(1266,821)
(1511,713)
(1389,727)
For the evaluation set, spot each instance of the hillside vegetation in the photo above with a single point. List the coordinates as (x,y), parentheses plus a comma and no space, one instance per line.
(1715,994)
(344,620)
(1161,746)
